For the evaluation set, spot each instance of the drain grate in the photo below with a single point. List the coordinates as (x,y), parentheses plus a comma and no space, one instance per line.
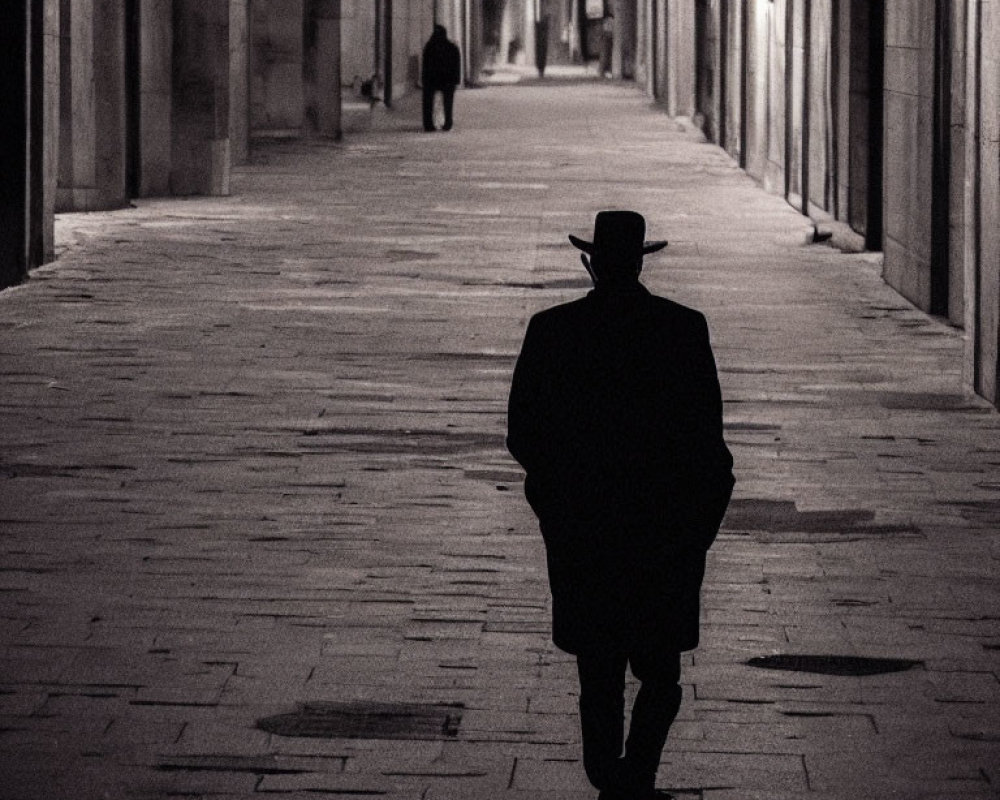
(833,665)
(328,720)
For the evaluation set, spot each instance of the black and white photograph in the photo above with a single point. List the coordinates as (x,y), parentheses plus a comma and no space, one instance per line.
(500,399)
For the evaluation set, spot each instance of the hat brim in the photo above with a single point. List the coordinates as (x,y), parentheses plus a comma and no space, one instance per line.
(588,247)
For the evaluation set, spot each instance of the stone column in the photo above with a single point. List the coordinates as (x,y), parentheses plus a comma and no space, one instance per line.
(322,60)
(529,31)
(682,61)
(909,147)
(92,107)
(200,98)
(156,43)
(109,105)
(988,201)
(29,74)
(15,52)
(276,85)
(616,38)
(76,109)
(50,124)
(239,80)
(509,24)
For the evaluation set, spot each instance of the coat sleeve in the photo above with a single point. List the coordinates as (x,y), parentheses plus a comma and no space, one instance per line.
(710,478)
(524,405)
(531,438)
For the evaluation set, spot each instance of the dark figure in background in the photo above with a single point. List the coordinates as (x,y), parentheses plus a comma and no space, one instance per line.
(440,72)
(615,413)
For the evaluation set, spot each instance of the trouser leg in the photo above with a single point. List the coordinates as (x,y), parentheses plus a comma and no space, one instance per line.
(655,708)
(448,95)
(602,712)
(428,108)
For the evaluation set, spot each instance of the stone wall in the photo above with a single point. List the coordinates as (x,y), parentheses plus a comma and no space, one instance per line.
(883,114)
(909,152)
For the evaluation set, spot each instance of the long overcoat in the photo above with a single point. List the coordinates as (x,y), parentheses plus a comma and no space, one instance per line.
(615,413)
(441,66)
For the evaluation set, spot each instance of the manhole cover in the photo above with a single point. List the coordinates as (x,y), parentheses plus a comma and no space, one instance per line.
(328,720)
(833,665)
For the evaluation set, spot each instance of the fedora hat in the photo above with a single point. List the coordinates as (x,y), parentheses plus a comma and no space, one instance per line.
(618,234)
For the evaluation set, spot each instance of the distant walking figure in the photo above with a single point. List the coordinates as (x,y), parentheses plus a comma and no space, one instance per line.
(615,413)
(440,72)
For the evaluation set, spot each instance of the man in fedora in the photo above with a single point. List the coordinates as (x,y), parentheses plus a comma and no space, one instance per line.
(615,413)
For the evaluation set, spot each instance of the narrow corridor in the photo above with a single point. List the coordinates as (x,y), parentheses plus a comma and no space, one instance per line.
(253,457)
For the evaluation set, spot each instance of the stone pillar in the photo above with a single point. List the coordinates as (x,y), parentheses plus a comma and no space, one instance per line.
(510,23)
(357,45)
(239,80)
(623,54)
(959,115)
(76,108)
(276,85)
(50,124)
(682,57)
(530,7)
(322,67)
(15,73)
(616,38)
(909,147)
(643,49)
(92,109)
(988,201)
(29,74)
(109,84)
(200,98)
(156,44)
(474,56)
(756,39)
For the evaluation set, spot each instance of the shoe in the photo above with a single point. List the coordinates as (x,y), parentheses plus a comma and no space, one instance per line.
(446,126)
(429,129)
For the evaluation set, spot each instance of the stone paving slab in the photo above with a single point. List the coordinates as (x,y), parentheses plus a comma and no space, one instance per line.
(252,457)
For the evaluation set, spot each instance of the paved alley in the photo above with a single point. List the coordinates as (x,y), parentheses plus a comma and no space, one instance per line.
(261,536)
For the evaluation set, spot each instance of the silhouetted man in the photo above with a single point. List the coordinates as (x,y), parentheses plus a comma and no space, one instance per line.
(615,413)
(440,72)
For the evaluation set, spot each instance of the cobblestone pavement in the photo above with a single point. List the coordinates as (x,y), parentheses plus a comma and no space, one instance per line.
(261,536)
